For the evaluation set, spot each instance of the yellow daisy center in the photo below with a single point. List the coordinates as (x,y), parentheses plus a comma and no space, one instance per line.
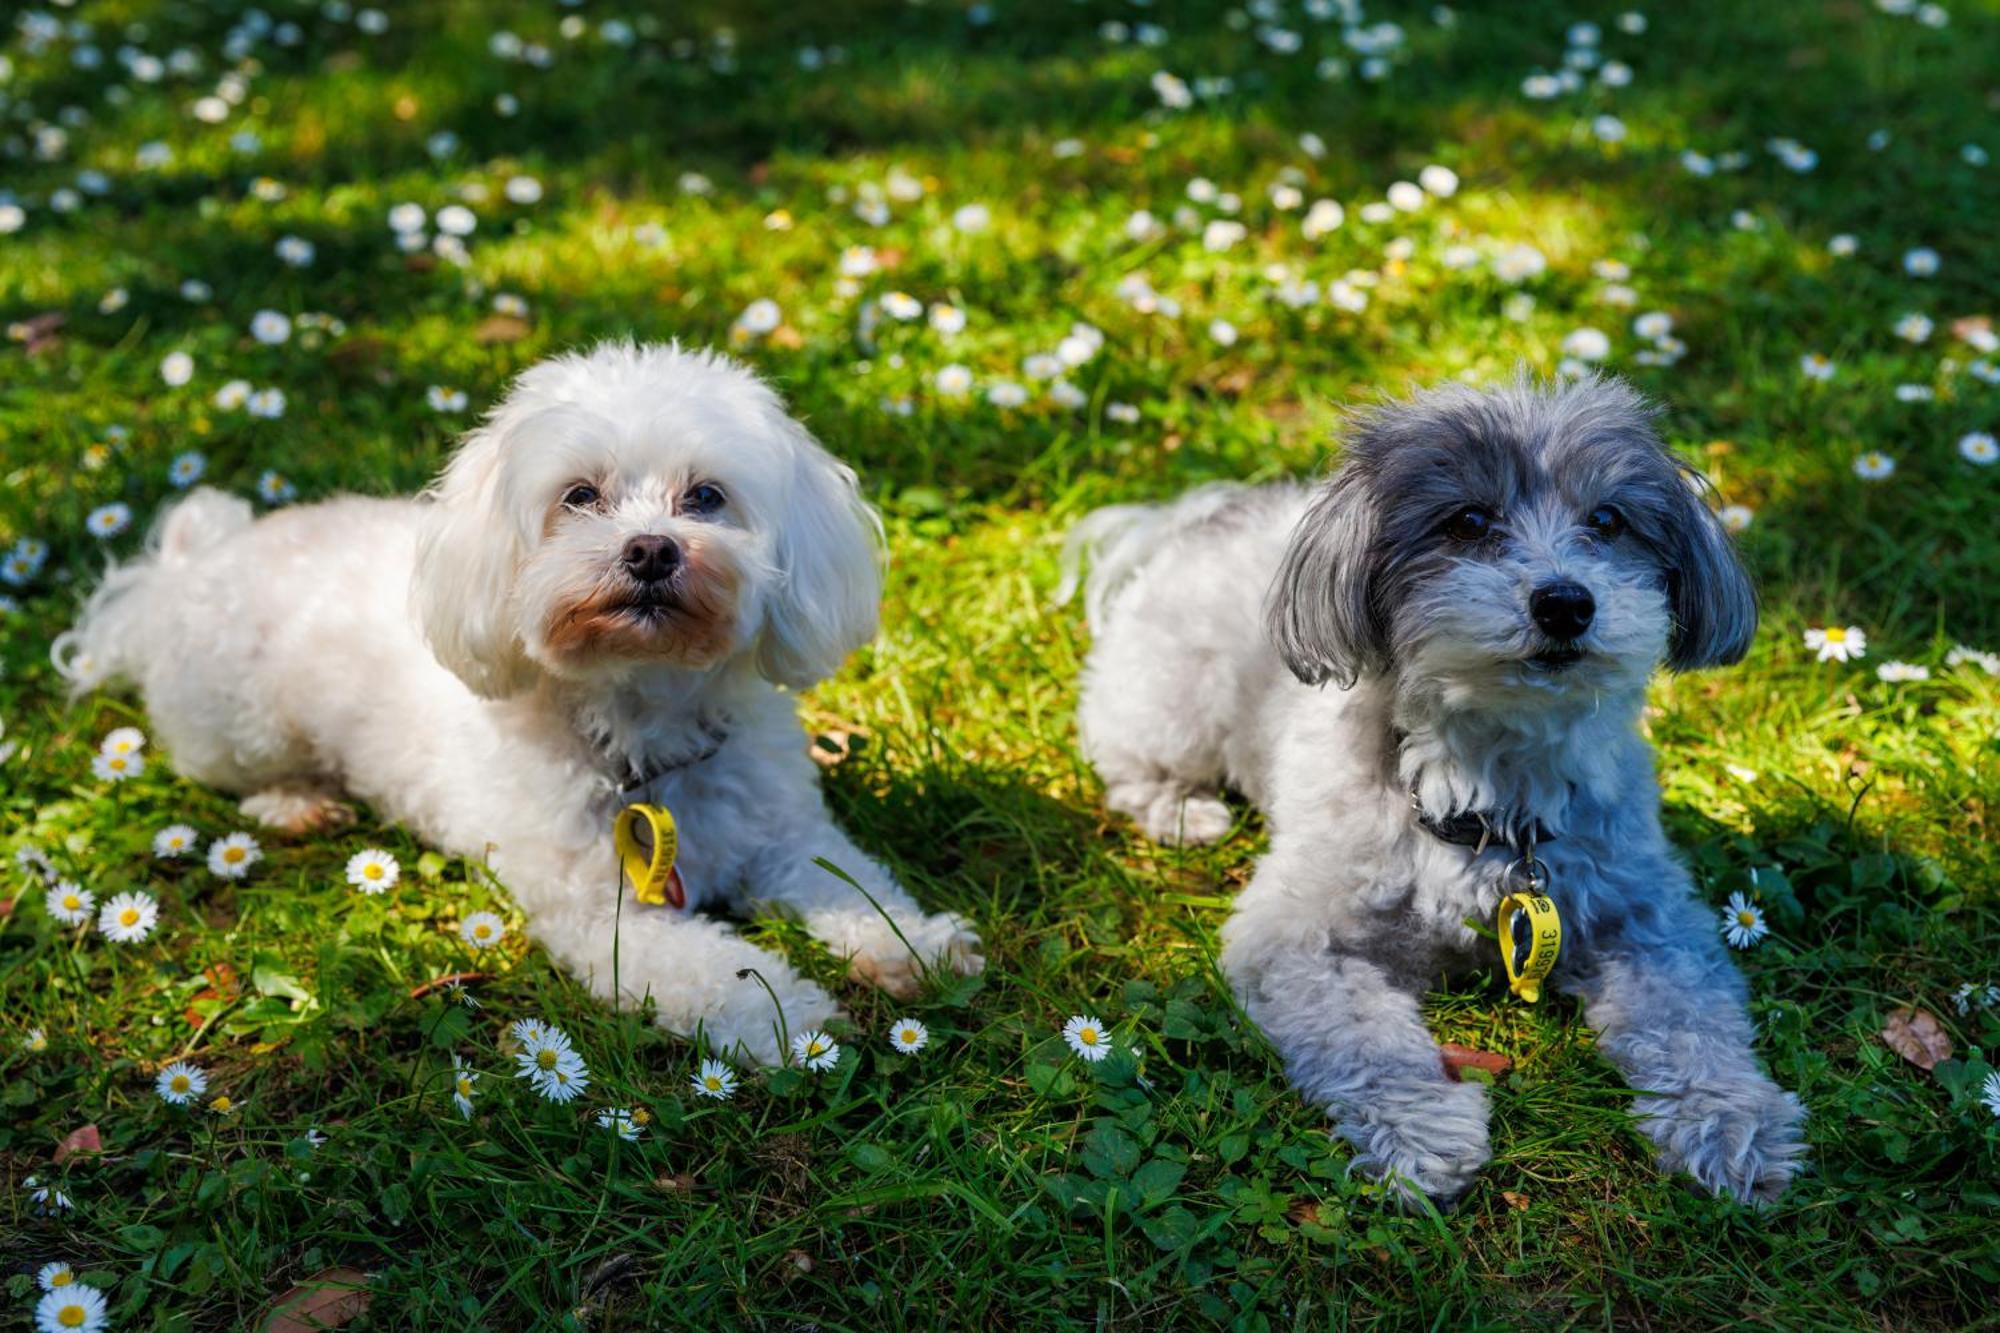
(232,854)
(1836,635)
(546,1057)
(117,761)
(179,1083)
(61,1278)
(482,930)
(561,1077)
(222,1105)
(1088,1036)
(371,871)
(465,1087)
(129,917)
(711,1082)
(815,1048)
(909,1036)
(177,842)
(70,1316)
(71,902)
(1746,917)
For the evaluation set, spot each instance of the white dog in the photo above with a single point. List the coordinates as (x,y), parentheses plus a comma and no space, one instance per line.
(1489,579)
(597,603)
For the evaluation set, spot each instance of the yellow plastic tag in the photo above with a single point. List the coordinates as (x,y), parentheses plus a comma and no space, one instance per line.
(1531,935)
(647,845)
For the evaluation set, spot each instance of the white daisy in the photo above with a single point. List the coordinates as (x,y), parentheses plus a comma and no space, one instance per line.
(1835,644)
(186,469)
(180,1083)
(46,1200)
(51,1276)
(953,381)
(117,767)
(75,1308)
(543,1047)
(109,520)
(457,220)
(1989,1093)
(129,917)
(1898,673)
(174,841)
(36,1041)
(815,1050)
(760,317)
(1978,447)
(947,320)
(908,1035)
(1921,262)
(532,1032)
(442,399)
(176,369)
(1006,393)
(1874,465)
(482,929)
(275,489)
(622,1122)
(1587,344)
(373,871)
(407,217)
(1087,1037)
(270,327)
(1742,923)
(122,740)
(1736,518)
(70,903)
(564,1080)
(462,1079)
(1816,367)
(233,395)
(1913,327)
(715,1079)
(266,405)
(232,857)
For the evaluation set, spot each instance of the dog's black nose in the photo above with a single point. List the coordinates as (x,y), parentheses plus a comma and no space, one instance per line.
(650,558)
(1563,610)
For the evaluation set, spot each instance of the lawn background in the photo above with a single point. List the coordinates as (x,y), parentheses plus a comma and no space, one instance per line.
(994,1179)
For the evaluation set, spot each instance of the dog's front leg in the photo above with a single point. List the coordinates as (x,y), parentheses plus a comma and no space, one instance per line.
(697,970)
(1668,1006)
(1352,1037)
(879,928)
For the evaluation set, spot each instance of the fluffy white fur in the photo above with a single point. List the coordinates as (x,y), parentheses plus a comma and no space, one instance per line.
(480,664)
(1218,620)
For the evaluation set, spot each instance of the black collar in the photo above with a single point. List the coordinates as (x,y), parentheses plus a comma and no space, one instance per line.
(636,779)
(1477,829)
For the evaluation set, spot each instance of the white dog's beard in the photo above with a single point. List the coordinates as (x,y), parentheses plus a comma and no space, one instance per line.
(690,620)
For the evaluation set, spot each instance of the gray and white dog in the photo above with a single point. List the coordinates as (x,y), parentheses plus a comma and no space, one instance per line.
(1486,584)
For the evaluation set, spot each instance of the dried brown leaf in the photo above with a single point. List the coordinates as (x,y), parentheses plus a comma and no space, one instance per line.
(1458,1058)
(83,1140)
(1916,1035)
(327,1299)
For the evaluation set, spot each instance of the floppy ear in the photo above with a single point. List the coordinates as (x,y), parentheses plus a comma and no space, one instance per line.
(827,546)
(1714,605)
(1321,613)
(468,551)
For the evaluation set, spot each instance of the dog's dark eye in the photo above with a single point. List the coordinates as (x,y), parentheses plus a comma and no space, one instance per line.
(1605,521)
(1469,524)
(703,499)
(581,496)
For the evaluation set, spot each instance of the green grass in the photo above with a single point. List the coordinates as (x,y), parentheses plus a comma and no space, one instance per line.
(993,1179)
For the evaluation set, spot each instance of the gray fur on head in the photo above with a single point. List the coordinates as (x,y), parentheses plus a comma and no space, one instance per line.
(1534,457)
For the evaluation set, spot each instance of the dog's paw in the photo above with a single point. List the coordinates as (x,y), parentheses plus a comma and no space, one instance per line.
(1742,1138)
(1419,1138)
(1170,814)
(297,810)
(897,963)
(746,1026)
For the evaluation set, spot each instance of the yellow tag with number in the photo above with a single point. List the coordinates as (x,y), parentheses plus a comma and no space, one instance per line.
(647,845)
(1531,935)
